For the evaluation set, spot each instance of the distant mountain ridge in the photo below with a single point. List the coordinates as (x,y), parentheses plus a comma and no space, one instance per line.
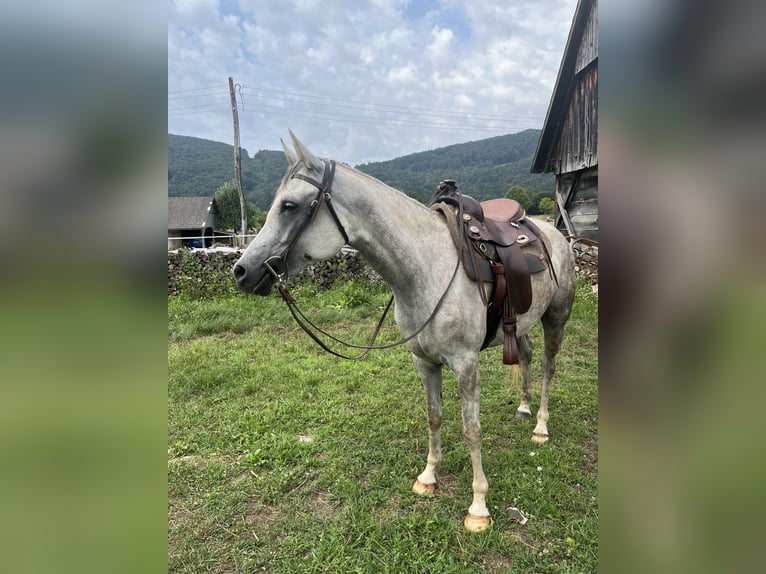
(483,169)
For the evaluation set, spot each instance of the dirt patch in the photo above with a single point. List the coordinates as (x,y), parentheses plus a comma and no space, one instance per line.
(262,516)
(192,459)
(590,456)
(199,461)
(319,503)
(178,517)
(518,537)
(496,563)
(447,485)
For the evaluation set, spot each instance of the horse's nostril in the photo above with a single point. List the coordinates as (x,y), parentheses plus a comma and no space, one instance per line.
(239,272)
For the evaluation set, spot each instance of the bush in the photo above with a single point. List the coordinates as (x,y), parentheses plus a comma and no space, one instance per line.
(198,274)
(207,274)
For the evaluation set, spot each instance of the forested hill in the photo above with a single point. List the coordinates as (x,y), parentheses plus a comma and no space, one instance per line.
(199,167)
(484,169)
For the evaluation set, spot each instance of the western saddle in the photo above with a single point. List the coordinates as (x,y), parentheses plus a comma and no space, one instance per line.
(500,246)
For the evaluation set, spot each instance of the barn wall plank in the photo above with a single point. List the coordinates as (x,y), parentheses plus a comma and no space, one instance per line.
(578,142)
(587,51)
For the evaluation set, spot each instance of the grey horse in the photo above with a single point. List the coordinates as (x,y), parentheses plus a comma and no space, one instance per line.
(411,248)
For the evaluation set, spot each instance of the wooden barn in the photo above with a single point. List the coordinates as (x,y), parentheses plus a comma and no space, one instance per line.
(192,223)
(568,144)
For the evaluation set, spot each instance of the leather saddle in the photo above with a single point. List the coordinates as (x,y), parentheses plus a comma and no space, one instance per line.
(501,247)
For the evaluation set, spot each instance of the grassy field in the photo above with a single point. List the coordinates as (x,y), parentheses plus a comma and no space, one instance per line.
(282,458)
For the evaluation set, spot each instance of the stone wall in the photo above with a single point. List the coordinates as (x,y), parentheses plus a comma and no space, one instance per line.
(207,273)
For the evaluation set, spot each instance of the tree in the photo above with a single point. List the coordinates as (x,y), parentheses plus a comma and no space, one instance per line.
(227,200)
(520,194)
(546,205)
(255,217)
(229,216)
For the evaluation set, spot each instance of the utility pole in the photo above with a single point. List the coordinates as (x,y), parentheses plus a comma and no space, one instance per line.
(237,161)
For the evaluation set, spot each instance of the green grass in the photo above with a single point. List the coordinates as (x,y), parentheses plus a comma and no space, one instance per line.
(282,458)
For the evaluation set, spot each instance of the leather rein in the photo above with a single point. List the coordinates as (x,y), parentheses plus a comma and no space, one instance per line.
(323,196)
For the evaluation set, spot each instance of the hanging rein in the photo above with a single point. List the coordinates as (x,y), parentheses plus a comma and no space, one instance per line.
(324,197)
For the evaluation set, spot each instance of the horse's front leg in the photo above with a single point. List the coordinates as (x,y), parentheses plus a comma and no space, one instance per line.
(467,374)
(432,383)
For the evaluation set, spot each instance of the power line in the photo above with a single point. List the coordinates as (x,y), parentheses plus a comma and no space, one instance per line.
(198,109)
(387,115)
(407,109)
(349,104)
(185,107)
(356,119)
(197,90)
(467,116)
(191,96)
(386,122)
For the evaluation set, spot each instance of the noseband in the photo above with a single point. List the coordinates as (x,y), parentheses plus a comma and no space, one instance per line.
(322,197)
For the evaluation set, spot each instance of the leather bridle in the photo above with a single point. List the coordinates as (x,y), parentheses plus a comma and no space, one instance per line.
(324,197)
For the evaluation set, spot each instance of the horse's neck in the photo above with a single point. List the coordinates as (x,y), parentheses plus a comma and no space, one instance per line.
(399,237)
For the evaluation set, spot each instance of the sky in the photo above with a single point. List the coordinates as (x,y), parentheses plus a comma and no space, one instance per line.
(363,80)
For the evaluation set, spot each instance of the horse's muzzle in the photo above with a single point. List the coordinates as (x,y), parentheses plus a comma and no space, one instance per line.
(259,283)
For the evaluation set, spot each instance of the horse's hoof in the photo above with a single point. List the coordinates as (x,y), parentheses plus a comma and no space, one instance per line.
(476,523)
(525,416)
(423,489)
(539,438)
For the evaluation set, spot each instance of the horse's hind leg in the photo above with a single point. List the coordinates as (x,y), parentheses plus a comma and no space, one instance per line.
(525,359)
(553,322)
(432,383)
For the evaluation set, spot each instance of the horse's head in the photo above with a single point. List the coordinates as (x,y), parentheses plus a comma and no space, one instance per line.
(301,226)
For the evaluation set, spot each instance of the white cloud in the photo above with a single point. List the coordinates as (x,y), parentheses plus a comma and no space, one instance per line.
(388,44)
(478,58)
(440,49)
(192,11)
(402,74)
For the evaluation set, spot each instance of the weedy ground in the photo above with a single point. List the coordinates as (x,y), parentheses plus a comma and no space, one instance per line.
(282,458)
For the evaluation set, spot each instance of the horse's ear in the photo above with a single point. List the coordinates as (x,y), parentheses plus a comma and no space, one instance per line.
(305,155)
(291,159)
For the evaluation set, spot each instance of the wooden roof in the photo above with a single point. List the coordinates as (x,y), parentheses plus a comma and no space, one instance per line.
(576,58)
(189,212)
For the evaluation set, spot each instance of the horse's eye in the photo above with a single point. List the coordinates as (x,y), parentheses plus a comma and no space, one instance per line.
(288,206)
